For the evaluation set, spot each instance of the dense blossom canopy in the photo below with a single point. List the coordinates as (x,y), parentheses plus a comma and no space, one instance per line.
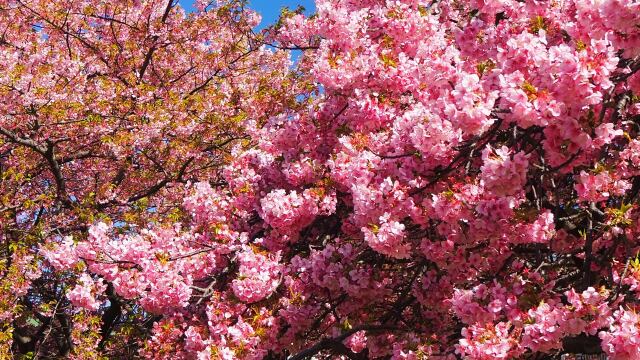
(432,180)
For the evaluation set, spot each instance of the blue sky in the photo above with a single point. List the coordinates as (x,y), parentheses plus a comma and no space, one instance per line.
(269,9)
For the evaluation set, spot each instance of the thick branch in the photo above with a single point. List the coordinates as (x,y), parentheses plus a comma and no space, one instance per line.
(329,343)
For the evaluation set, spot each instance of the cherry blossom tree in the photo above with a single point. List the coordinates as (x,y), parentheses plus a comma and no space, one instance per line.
(108,109)
(432,180)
